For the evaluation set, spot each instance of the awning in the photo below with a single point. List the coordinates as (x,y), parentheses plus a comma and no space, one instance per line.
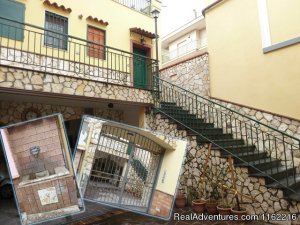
(56,6)
(142,32)
(96,20)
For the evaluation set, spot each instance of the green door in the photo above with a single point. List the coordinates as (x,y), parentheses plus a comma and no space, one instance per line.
(139,68)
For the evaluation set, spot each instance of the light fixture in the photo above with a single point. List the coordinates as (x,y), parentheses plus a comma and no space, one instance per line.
(155,13)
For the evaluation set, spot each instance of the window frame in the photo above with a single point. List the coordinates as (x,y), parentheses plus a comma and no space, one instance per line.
(64,45)
(104,44)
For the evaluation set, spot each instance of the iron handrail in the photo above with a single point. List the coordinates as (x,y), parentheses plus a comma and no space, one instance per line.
(236,112)
(260,144)
(68,36)
(224,149)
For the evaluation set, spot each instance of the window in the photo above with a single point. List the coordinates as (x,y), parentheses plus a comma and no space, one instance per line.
(13,11)
(58,24)
(96,36)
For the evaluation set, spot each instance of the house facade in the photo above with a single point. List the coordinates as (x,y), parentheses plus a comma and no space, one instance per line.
(77,59)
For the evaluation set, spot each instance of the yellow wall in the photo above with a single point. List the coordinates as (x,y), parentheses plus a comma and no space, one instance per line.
(284,18)
(171,167)
(119,17)
(240,72)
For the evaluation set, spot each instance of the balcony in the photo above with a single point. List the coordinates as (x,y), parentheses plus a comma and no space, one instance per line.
(193,46)
(143,6)
(29,47)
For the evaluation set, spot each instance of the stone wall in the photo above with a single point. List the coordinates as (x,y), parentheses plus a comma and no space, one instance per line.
(61,84)
(262,200)
(12,112)
(192,75)
(84,68)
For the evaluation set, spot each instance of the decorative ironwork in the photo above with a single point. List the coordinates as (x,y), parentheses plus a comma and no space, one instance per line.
(270,146)
(73,60)
(143,6)
(124,169)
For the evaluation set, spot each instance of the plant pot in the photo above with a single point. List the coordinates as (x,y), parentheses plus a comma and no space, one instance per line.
(180,201)
(198,205)
(239,213)
(224,210)
(211,207)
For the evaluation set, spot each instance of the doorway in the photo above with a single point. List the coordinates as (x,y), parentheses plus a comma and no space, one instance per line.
(124,169)
(139,67)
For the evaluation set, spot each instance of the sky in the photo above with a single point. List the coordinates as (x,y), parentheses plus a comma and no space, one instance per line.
(175,13)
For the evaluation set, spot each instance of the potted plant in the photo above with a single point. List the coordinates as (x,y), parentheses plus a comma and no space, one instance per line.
(224,208)
(237,209)
(212,201)
(180,200)
(198,204)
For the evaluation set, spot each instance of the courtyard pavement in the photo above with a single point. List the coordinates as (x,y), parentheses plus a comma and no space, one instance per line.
(119,217)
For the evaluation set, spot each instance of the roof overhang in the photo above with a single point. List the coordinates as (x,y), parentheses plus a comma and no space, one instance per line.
(142,32)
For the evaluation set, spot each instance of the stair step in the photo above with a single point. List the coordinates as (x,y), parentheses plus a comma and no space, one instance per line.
(168,103)
(261,164)
(195,126)
(228,142)
(237,149)
(277,173)
(294,196)
(246,156)
(213,137)
(290,181)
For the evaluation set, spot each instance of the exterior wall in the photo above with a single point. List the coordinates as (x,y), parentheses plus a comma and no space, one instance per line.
(161,204)
(48,83)
(43,133)
(12,112)
(265,200)
(192,75)
(239,71)
(105,10)
(283,28)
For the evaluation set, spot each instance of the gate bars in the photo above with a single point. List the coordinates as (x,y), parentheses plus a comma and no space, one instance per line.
(124,168)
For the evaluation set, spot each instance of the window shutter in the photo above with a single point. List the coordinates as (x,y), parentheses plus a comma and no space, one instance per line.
(13,11)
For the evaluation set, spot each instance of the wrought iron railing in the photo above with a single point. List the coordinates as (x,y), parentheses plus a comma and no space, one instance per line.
(185,49)
(28,46)
(271,145)
(143,6)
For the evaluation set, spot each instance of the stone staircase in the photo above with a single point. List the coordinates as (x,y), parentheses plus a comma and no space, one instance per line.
(245,154)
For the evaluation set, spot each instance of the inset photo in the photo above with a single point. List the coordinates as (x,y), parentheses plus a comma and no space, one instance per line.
(42,176)
(128,167)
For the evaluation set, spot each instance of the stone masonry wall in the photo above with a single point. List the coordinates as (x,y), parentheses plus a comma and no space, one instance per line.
(61,84)
(192,75)
(262,200)
(12,112)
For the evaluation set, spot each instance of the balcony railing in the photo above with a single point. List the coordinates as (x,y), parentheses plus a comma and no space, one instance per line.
(27,46)
(143,6)
(185,49)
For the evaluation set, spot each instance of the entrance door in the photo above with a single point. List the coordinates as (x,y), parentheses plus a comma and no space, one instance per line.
(124,169)
(139,68)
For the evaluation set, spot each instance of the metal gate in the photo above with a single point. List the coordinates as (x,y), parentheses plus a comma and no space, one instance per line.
(124,169)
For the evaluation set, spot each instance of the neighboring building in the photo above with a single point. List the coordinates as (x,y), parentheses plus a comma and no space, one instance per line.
(253,50)
(184,43)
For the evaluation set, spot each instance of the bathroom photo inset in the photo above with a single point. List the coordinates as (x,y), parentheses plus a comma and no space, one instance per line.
(39,161)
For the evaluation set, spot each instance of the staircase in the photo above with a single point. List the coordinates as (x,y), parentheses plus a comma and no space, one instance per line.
(265,151)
